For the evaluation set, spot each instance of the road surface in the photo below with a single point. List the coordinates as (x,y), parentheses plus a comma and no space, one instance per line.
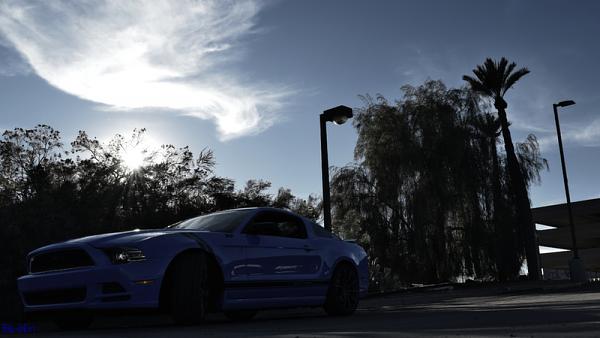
(449,313)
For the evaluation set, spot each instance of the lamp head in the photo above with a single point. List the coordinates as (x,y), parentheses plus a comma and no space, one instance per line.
(340,119)
(338,115)
(565,103)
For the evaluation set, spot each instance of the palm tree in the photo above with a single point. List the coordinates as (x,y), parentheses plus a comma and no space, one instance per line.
(506,249)
(493,79)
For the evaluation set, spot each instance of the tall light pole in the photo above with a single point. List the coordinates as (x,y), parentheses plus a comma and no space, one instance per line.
(576,268)
(337,115)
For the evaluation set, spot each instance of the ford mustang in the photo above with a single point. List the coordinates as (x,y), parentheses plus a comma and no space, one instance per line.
(237,261)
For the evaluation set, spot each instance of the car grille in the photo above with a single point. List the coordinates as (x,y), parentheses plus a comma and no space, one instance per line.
(59,260)
(57,296)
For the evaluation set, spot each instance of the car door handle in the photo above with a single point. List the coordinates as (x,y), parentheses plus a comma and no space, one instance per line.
(308,248)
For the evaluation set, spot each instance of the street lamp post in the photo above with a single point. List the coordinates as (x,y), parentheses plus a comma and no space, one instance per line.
(576,267)
(337,115)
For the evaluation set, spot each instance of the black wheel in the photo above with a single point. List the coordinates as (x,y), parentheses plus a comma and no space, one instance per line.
(240,315)
(74,321)
(342,296)
(188,288)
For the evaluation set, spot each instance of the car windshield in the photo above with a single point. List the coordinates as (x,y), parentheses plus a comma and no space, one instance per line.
(226,221)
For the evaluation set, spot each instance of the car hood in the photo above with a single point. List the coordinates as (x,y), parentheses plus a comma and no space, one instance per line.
(132,238)
(119,238)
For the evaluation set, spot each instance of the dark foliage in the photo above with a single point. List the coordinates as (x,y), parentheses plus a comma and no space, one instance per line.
(428,195)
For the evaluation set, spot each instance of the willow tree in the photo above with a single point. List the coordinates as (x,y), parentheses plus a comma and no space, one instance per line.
(410,198)
(494,79)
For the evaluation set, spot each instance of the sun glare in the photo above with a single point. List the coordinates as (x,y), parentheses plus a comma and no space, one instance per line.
(133,159)
(140,152)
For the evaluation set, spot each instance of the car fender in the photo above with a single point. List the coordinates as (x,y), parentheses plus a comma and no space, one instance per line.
(169,246)
(356,256)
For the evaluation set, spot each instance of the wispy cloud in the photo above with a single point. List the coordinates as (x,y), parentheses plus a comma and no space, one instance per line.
(140,54)
(530,111)
(581,134)
(587,135)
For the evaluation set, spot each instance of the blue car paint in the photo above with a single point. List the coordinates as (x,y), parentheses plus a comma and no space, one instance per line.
(259,272)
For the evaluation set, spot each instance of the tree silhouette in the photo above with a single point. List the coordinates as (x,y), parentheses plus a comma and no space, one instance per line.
(493,79)
(428,195)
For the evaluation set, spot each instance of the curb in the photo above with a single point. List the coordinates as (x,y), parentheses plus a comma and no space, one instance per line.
(499,289)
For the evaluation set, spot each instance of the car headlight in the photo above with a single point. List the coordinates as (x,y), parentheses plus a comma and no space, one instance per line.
(124,255)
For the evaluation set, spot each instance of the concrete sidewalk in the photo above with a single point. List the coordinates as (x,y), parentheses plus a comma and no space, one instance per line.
(497,287)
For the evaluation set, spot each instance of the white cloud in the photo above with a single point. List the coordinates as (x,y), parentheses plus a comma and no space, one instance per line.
(586,135)
(145,54)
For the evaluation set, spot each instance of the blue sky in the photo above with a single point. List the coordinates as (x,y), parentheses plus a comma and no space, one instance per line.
(249,78)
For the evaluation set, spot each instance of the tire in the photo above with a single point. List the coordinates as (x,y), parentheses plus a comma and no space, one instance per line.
(189,288)
(74,321)
(240,315)
(342,296)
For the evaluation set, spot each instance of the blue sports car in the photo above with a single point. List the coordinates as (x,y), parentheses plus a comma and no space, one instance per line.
(237,261)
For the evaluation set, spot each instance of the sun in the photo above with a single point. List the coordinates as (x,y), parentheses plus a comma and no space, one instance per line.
(139,151)
(133,158)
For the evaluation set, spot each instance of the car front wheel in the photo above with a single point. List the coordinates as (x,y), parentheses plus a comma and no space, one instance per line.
(189,288)
(342,296)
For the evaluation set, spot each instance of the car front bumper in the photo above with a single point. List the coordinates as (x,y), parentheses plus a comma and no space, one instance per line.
(102,286)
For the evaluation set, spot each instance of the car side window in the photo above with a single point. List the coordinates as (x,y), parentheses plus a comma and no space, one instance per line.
(276,224)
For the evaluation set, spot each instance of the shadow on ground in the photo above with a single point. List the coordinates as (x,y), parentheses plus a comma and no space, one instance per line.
(451,313)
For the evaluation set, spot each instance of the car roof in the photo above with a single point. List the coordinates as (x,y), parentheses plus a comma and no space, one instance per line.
(258,209)
(307,221)
(262,209)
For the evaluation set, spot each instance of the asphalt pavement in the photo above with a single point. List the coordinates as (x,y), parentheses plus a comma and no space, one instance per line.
(479,312)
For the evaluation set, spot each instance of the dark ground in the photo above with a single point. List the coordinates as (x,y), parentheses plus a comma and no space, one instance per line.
(518,311)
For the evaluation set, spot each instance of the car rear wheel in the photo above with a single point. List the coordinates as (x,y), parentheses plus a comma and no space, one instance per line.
(342,296)
(189,288)
(240,315)
(74,321)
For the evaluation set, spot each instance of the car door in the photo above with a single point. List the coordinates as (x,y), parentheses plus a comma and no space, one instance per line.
(278,250)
